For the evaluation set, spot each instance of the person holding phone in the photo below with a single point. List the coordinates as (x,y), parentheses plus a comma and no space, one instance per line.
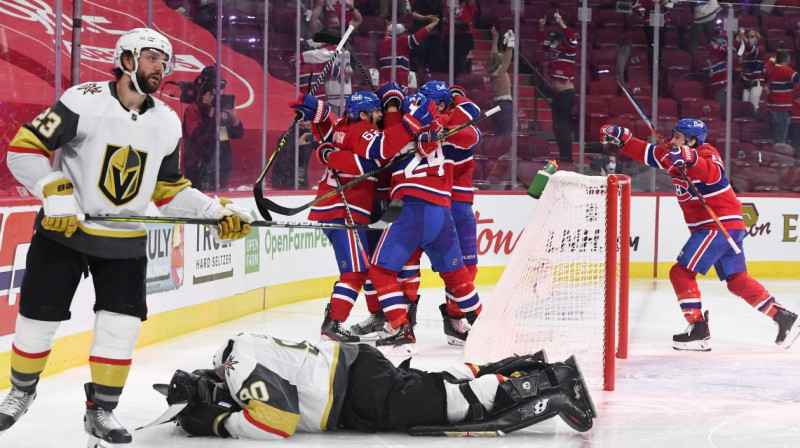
(200,131)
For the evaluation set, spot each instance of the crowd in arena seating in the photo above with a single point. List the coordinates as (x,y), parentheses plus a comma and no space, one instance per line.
(764,132)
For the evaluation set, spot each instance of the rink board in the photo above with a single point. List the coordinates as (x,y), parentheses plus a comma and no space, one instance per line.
(194,283)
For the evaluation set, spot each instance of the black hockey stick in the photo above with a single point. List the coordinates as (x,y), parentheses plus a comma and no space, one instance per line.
(329,38)
(391,215)
(622,59)
(287,211)
(258,191)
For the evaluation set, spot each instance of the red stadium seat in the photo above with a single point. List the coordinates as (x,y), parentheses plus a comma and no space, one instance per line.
(606,88)
(679,74)
(688,89)
(667,107)
(743,154)
(771,22)
(755,131)
(790,179)
(762,179)
(676,58)
(702,109)
(596,104)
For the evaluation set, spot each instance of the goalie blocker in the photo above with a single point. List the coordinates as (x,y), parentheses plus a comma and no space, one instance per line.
(266,388)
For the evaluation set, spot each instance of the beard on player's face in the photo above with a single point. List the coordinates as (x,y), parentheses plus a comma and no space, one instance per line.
(148,82)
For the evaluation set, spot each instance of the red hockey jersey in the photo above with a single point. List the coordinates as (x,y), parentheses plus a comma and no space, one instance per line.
(707,175)
(460,148)
(405,43)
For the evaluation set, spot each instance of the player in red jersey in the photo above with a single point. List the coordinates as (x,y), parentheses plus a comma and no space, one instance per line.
(707,245)
(343,139)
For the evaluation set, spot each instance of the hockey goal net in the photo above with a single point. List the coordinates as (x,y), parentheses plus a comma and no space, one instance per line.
(565,288)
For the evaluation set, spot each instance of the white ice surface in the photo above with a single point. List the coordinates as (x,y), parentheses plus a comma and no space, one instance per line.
(744,393)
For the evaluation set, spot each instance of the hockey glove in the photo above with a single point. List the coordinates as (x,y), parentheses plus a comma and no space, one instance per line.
(426,142)
(311,109)
(457,91)
(234,222)
(324,151)
(616,135)
(60,208)
(419,112)
(209,404)
(683,156)
(389,91)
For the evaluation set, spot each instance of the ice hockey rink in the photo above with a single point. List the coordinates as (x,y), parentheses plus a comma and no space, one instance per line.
(744,393)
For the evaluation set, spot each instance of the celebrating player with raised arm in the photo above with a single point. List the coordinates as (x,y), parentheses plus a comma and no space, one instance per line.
(265,388)
(116,149)
(343,140)
(707,245)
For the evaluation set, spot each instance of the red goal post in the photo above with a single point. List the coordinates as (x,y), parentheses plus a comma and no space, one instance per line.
(565,288)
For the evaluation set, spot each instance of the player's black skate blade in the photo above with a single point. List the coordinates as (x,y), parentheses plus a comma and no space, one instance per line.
(454,328)
(786,322)
(696,337)
(332,329)
(401,342)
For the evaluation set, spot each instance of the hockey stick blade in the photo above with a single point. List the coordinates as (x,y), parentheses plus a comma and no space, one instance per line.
(622,60)
(168,415)
(382,224)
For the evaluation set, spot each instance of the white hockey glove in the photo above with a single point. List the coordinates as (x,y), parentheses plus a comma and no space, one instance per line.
(234,222)
(60,208)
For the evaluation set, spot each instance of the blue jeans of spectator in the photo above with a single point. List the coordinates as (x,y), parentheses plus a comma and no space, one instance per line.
(780,125)
(794,133)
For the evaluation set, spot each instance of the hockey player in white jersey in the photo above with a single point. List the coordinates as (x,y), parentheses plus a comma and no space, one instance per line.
(262,387)
(116,149)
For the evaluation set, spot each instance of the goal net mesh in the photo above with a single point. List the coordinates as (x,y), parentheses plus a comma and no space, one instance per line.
(551,294)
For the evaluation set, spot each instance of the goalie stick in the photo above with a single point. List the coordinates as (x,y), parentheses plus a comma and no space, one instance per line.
(392,213)
(258,191)
(622,59)
(287,211)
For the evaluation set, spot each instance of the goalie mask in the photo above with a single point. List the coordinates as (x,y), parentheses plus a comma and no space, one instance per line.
(221,356)
(137,40)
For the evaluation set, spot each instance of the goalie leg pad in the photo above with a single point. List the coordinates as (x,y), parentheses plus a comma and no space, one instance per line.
(578,410)
(521,415)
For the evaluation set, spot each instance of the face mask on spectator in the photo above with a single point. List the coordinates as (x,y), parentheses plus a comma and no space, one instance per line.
(752,41)
(553,45)
(721,40)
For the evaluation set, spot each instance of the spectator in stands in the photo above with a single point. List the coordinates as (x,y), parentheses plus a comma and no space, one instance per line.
(603,165)
(497,67)
(464,41)
(406,43)
(718,65)
(428,56)
(284,170)
(328,9)
(643,9)
(794,127)
(781,82)
(385,9)
(561,48)
(752,66)
(705,16)
(200,133)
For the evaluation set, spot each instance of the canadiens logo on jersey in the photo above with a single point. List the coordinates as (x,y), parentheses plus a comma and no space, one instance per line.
(122,173)
(91,87)
(682,190)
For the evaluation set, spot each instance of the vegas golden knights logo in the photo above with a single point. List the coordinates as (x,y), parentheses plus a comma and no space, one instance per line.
(123,170)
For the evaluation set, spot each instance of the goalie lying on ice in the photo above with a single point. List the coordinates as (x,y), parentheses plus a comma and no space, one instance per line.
(262,387)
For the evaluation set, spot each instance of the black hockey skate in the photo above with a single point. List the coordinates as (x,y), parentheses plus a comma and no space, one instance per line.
(368,328)
(14,406)
(401,341)
(100,423)
(786,321)
(696,337)
(332,329)
(411,311)
(455,328)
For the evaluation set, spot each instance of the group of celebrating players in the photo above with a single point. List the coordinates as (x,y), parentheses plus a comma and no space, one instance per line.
(435,186)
